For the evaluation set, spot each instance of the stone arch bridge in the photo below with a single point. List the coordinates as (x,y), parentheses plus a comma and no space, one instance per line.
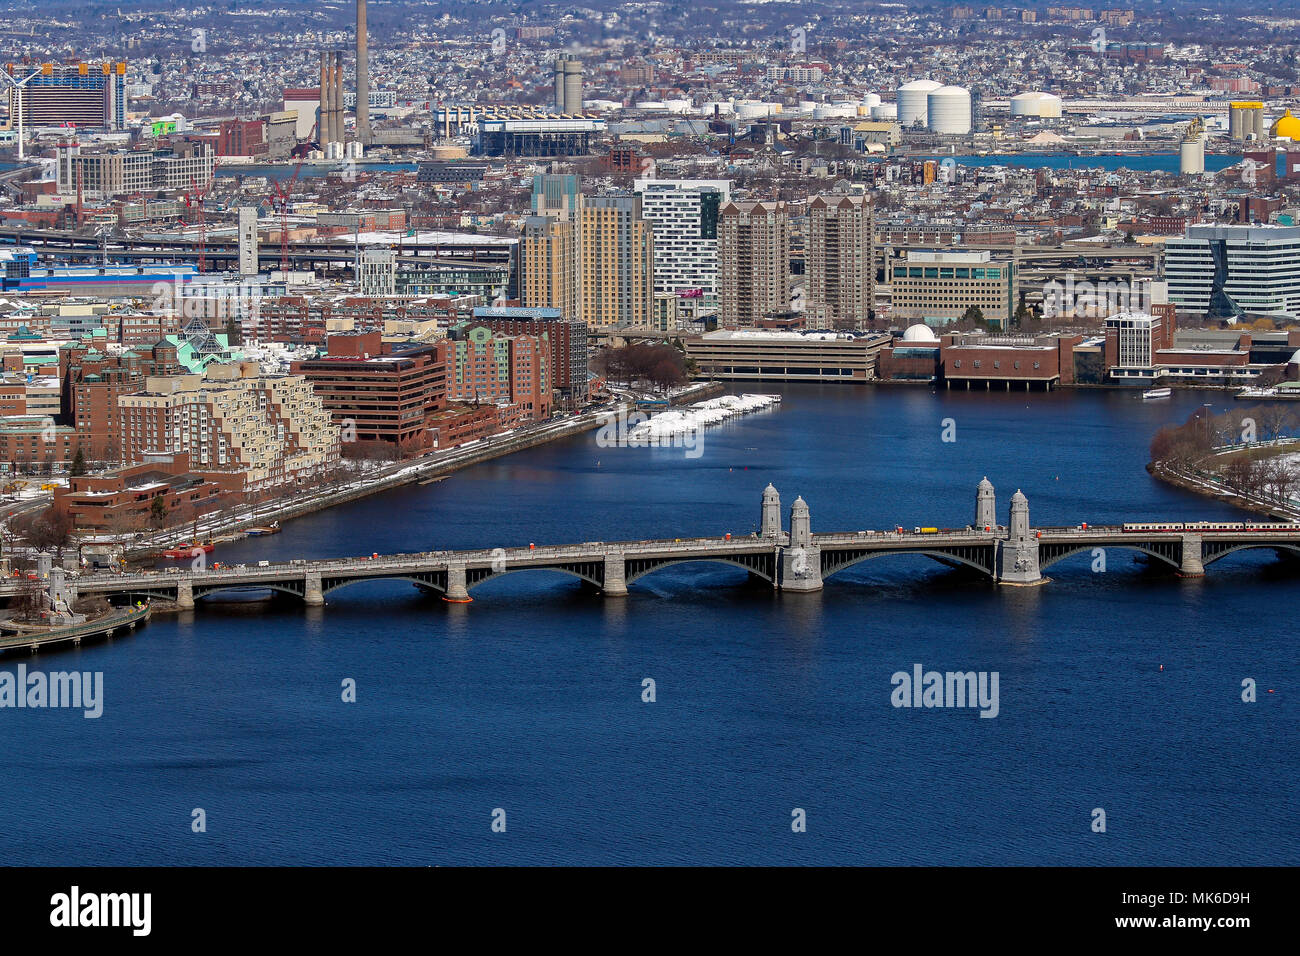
(788,560)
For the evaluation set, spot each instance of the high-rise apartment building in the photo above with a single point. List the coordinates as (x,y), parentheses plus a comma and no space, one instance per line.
(590,257)
(753,262)
(617,263)
(840,270)
(684,214)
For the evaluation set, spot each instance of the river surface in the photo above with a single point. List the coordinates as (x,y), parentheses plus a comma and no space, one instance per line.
(1118,690)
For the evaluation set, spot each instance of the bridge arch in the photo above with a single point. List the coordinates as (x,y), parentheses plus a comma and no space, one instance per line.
(1210,554)
(761,565)
(476,576)
(834,563)
(1048,558)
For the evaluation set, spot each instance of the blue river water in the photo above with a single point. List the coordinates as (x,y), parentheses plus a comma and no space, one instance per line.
(1119,690)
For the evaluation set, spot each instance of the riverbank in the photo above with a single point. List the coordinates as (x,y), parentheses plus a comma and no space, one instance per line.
(233,524)
(33,638)
(1211,486)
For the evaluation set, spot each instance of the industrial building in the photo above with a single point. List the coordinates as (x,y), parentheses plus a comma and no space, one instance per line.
(537,137)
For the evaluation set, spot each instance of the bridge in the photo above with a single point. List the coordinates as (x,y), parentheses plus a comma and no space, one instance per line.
(794,560)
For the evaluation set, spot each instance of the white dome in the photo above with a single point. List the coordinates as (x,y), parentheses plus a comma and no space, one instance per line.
(1295,358)
(920,333)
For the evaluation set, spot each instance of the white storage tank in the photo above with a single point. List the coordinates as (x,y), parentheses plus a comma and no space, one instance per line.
(870,100)
(1043,105)
(884,112)
(914,101)
(949,110)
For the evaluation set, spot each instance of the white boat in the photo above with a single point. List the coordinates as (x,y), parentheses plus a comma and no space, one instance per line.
(1157,393)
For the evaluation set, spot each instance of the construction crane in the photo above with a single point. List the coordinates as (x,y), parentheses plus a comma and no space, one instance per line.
(194,199)
(282,193)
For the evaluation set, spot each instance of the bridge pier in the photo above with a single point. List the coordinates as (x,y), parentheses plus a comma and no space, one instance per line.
(1191,565)
(185,596)
(799,566)
(615,576)
(312,595)
(457,593)
(1017,560)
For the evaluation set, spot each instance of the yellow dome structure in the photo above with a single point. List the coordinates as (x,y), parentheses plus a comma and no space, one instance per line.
(1286,127)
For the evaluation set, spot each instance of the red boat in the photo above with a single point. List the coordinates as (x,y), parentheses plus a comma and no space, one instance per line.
(190,550)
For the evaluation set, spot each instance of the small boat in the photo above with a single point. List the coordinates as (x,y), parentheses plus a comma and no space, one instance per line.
(272,528)
(1157,393)
(192,550)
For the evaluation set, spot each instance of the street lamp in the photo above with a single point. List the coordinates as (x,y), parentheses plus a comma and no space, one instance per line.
(18,86)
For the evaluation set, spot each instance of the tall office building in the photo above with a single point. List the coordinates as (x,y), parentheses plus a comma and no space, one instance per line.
(1224,271)
(841,271)
(753,262)
(684,214)
(617,263)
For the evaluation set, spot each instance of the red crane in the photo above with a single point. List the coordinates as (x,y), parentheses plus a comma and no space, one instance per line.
(194,199)
(282,193)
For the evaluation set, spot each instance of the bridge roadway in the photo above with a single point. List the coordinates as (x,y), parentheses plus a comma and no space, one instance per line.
(787,561)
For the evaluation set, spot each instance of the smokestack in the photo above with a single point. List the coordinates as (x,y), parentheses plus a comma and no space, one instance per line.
(363,77)
(559,85)
(337,93)
(573,87)
(326,115)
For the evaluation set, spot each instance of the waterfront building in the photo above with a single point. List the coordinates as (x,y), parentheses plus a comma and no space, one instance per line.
(617,263)
(265,429)
(484,366)
(1226,271)
(375,391)
(567,339)
(753,262)
(786,356)
(939,287)
(123,499)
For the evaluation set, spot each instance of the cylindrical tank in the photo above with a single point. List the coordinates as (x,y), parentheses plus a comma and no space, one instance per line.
(870,100)
(913,101)
(949,111)
(1191,157)
(1036,104)
(884,112)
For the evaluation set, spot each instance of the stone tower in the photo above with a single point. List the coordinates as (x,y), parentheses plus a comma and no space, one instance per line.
(800,524)
(986,507)
(769,525)
(800,564)
(1018,554)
